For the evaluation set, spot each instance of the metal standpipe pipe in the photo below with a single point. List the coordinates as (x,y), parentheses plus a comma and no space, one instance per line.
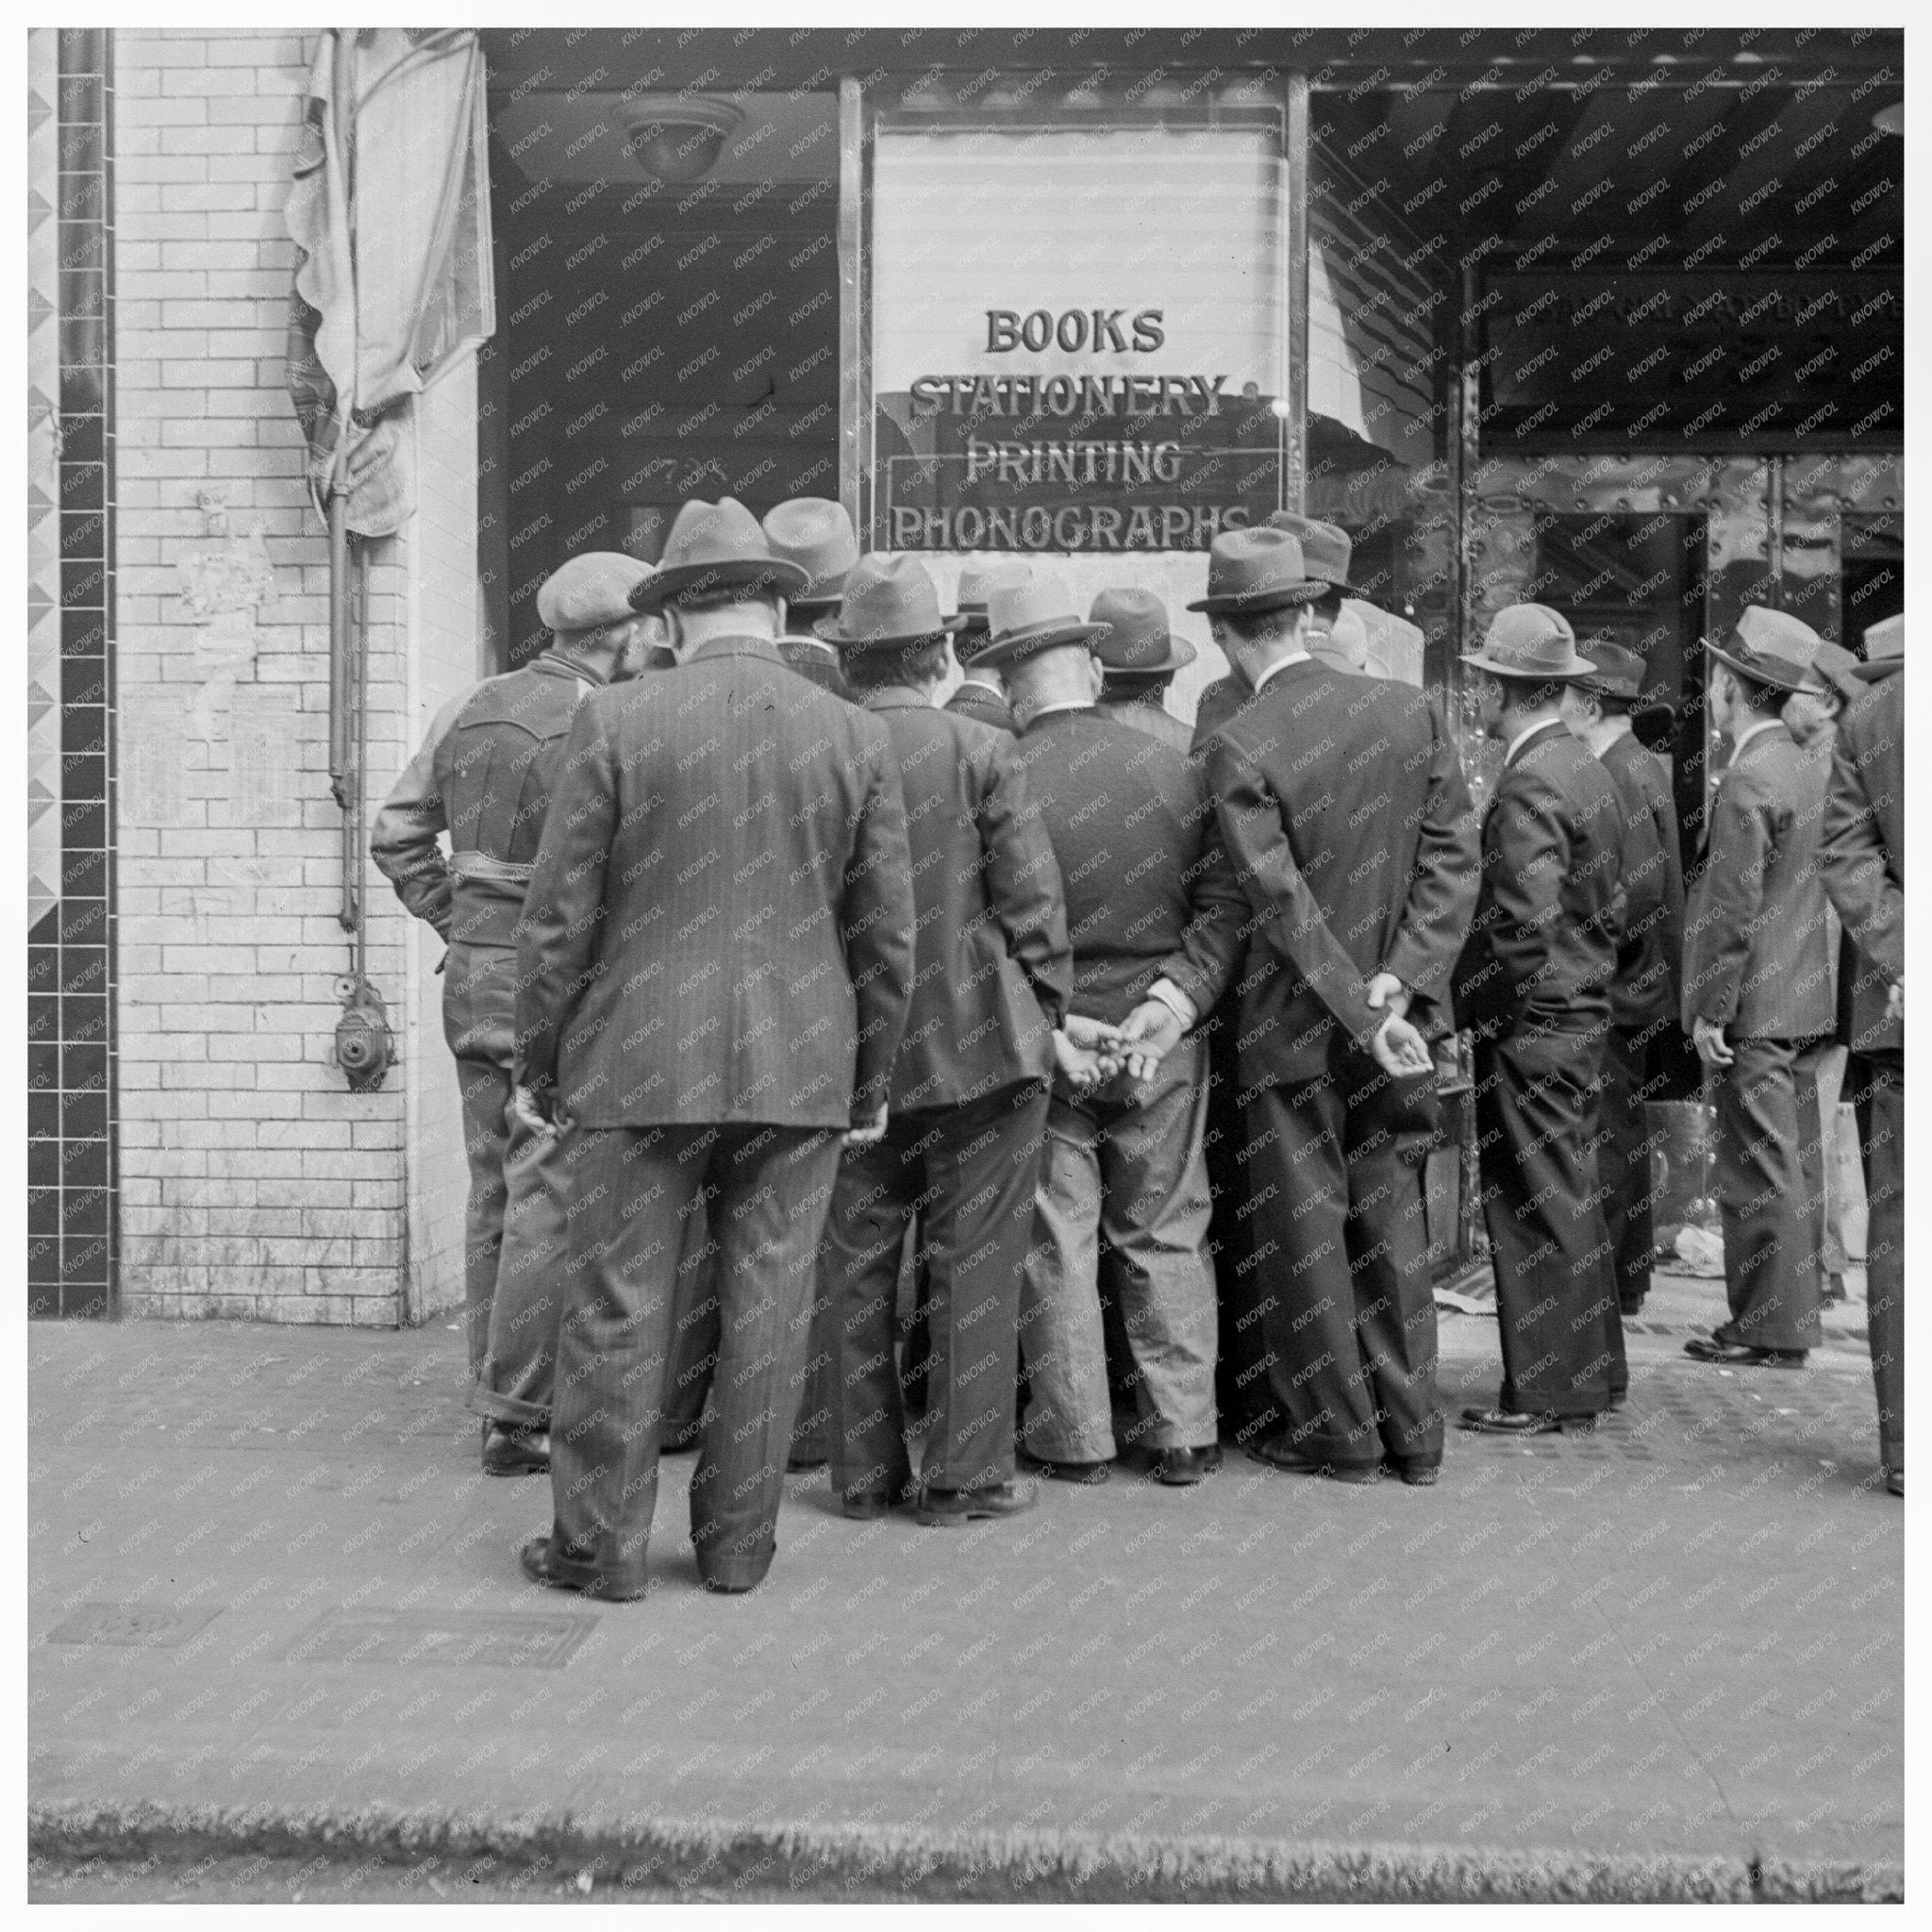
(364,1046)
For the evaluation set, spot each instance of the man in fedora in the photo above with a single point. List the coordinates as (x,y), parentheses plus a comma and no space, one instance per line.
(980,694)
(712,977)
(1758,994)
(1643,1036)
(1534,983)
(1343,805)
(1810,715)
(484,775)
(1326,552)
(1139,657)
(960,1157)
(1863,856)
(1154,915)
(816,534)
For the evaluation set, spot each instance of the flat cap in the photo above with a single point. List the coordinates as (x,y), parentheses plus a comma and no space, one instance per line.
(590,590)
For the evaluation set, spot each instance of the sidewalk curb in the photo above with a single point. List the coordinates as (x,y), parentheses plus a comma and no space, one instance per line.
(815,1860)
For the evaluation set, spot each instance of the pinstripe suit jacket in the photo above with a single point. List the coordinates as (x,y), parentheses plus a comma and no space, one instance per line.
(1863,855)
(719,927)
(1758,949)
(993,969)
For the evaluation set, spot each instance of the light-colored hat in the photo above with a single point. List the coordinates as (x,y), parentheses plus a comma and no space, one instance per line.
(1620,671)
(1886,639)
(717,546)
(1769,647)
(816,534)
(1345,643)
(590,589)
(888,601)
(1036,614)
(976,583)
(1833,669)
(1533,642)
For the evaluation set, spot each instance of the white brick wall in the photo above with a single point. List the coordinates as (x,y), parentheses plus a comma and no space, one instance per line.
(253,1182)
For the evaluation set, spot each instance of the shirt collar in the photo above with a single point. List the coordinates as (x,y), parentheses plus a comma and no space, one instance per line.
(1745,736)
(737,647)
(795,636)
(553,663)
(1280,664)
(1522,738)
(1063,705)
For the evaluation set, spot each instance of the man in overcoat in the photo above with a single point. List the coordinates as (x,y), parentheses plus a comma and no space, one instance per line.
(960,1157)
(1533,981)
(1758,999)
(1863,861)
(1343,807)
(713,973)
(1643,992)
(484,775)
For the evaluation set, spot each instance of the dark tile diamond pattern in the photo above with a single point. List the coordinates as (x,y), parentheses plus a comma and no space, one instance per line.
(71,1074)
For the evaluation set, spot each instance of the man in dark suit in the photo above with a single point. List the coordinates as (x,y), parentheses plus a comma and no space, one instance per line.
(1862,857)
(1645,993)
(1342,803)
(1326,553)
(1152,912)
(1533,981)
(1139,657)
(969,1094)
(1757,996)
(816,534)
(713,973)
(981,693)
(484,775)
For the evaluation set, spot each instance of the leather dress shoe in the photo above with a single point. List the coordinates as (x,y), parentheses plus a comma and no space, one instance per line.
(1895,1481)
(1741,1354)
(1178,1468)
(1834,1290)
(540,1566)
(964,1505)
(1087,1473)
(509,1449)
(1277,1455)
(867,1505)
(1418,1476)
(800,1465)
(1515,1421)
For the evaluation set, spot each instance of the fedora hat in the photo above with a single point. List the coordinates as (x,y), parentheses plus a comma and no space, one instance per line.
(1252,571)
(1037,613)
(1769,647)
(1326,547)
(1884,639)
(1833,669)
(888,601)
(1137,641)
(1619,673)
(1533,642)
(976,583)
(816,534)
(1345,644)
(590,590)
(716,546)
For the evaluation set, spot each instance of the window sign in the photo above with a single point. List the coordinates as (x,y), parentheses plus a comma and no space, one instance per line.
(1079,334)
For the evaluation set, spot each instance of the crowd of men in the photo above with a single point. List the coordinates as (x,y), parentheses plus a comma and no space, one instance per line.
(1030,1083)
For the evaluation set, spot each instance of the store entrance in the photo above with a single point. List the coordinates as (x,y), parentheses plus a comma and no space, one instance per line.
(1659,552)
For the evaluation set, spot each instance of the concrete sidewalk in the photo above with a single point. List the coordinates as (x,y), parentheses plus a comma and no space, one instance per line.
(274,1609)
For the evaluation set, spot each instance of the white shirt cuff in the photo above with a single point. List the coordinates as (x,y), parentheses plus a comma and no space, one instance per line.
(1176,1001)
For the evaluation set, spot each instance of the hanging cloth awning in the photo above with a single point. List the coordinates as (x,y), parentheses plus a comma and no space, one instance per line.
(390,211)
